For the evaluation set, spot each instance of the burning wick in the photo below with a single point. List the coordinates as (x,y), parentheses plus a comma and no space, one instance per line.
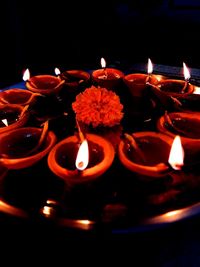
(57,72)
(5,122)
(187,77)
(176,156)
(149,70)
(82,158)
(26,78)
(103,65)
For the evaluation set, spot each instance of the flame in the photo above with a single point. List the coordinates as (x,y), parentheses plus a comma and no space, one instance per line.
(47,211)
(57,71)
(103,63)
(176,155)
(150,66)
(186,72)
(196,90)
(84,222)
(26,75)
(172,213)
(82,158)
(5,122)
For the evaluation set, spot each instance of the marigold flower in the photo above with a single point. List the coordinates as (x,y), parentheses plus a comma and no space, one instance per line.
(98,106)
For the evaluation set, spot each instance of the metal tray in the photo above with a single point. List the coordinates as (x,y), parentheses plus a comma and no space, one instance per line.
(119,200)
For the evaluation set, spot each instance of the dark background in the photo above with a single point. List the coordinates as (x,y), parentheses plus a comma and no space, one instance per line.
(42,35)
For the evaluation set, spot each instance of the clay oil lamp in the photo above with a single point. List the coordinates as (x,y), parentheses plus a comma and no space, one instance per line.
(177,87)
(81,160)
(140,103)
(185,124)
(18,96)
(138,83)
(43,84)
(74,79)
(110,78)
(146,154)
(23,147)
(190,102)
(75,82)
(13,116)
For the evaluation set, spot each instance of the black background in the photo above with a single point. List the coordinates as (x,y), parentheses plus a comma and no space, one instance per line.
(42,35)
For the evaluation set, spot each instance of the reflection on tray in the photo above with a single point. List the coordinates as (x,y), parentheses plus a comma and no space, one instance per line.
(118,198)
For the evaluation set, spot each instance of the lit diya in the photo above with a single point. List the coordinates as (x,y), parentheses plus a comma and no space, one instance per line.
(190,102)
(18,96)
(78,161)
(110,78)
(146,153)
(74,78)
(23,147)
(177,87)
(43,84)
(185,124)
(138,83)
(12,116)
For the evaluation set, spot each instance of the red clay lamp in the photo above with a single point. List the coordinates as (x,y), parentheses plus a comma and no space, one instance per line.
(18,96)
(23,147)
(137,82)
(43,84)
(146,154)
(177,87)
(110,78)
(81,163)
(12,116)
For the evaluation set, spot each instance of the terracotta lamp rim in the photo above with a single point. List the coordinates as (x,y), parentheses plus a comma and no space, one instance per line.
(4,96)
(156,170)
(23,162)
(89,174)
(30,84)
(163,129)
(189,90)
(20,122)
(119,72)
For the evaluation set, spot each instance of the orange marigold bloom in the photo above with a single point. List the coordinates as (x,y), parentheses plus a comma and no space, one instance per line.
(98,107)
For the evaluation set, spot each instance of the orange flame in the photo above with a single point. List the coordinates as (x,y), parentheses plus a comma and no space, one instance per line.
(26,75)
(176,155)
(82,158)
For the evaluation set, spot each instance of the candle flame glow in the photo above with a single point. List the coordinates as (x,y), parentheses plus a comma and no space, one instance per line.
(5,122)
(103,63)
(82,158)
(196,90)
(57,71)
(172,213)
(176,155)
(26,75)
(150,66)
(186,72)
